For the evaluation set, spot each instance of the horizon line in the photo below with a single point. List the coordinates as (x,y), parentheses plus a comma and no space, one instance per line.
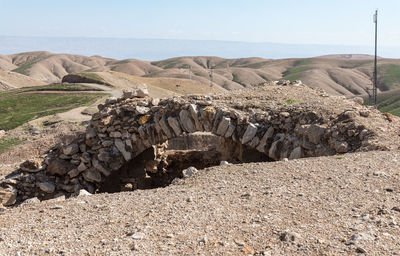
(201,40)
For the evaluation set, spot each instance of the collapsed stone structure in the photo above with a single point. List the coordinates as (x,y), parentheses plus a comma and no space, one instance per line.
(278,121)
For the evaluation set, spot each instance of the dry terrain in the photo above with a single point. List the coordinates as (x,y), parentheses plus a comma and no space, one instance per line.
(347,204)
(344,74)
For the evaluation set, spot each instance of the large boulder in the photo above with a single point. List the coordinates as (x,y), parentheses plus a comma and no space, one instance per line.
(8,196)
(59,167)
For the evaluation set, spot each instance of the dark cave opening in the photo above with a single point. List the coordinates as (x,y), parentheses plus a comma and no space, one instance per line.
(156,168)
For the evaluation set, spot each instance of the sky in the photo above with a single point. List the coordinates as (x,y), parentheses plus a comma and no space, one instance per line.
(325,22)
(341,22)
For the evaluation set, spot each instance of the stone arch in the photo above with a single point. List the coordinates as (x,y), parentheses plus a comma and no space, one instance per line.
(124,128)
(155,123)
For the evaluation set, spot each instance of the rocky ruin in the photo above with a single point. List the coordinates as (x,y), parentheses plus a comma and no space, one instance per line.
(301,122)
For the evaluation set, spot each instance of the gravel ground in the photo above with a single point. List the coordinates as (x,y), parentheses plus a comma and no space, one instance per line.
(339,205)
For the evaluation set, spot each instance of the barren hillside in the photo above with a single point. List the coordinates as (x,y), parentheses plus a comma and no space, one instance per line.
(344,74)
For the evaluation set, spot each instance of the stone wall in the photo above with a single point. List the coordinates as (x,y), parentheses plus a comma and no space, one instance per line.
(125,127)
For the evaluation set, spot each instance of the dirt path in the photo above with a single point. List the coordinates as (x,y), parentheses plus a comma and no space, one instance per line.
(76,113)
(115,92)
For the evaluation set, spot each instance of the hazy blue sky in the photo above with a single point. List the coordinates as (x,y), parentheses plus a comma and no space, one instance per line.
(341,22)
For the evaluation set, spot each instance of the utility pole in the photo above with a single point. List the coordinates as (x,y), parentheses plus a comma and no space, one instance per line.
(375,90)
(211,77)
(190,72)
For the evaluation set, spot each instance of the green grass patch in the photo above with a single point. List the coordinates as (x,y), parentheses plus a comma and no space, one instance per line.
(236,80)
(91,76)
(225,85)
(290,101)
(389,76)
(51,87)
(257,64)
(264,77)
(222,64)
(387,102)
(296,72)
(23,69)
(302,62)
(185,66)
(7,143)
(19,108)
(166,64)
(62,87)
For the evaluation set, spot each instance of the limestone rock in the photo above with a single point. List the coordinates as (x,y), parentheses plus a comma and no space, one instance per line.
(263,142)
(71,149)
(92,175)
(8,196)
(100,168)
(142,110)
(31,165)
(254,142)
(59,167)
(358,100)
(111,100)
(194,113)
(288,236)
(230,130)
(313,132)
(186,121)
(104,156)
(165,128)
(296,153)
(365,113)
(189,172)
(340,146)
(249,133)
(33,200)
(121,147)
(173,122)
(115,135)
(73,173)
(90,133)
(107,120)
(274,149)
(47,187)
(83,192)
(144,119)
(224,163)
(223,125)
(127,94)
(207,115)
(141,91)
(155,101)
(82,167)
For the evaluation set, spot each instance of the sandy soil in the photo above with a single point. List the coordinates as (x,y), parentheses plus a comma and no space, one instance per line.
(320,206)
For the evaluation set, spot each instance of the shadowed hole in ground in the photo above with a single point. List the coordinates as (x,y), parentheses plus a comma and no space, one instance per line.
(156,168)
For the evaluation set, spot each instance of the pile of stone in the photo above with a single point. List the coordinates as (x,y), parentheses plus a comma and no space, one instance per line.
(288,82)
(125,127)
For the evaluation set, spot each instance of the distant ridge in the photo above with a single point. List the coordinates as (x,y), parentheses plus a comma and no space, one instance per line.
(348,56)
(158,49)
(343,74)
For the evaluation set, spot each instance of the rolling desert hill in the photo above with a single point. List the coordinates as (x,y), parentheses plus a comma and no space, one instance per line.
(11,80)
(165,86)
(343,74)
